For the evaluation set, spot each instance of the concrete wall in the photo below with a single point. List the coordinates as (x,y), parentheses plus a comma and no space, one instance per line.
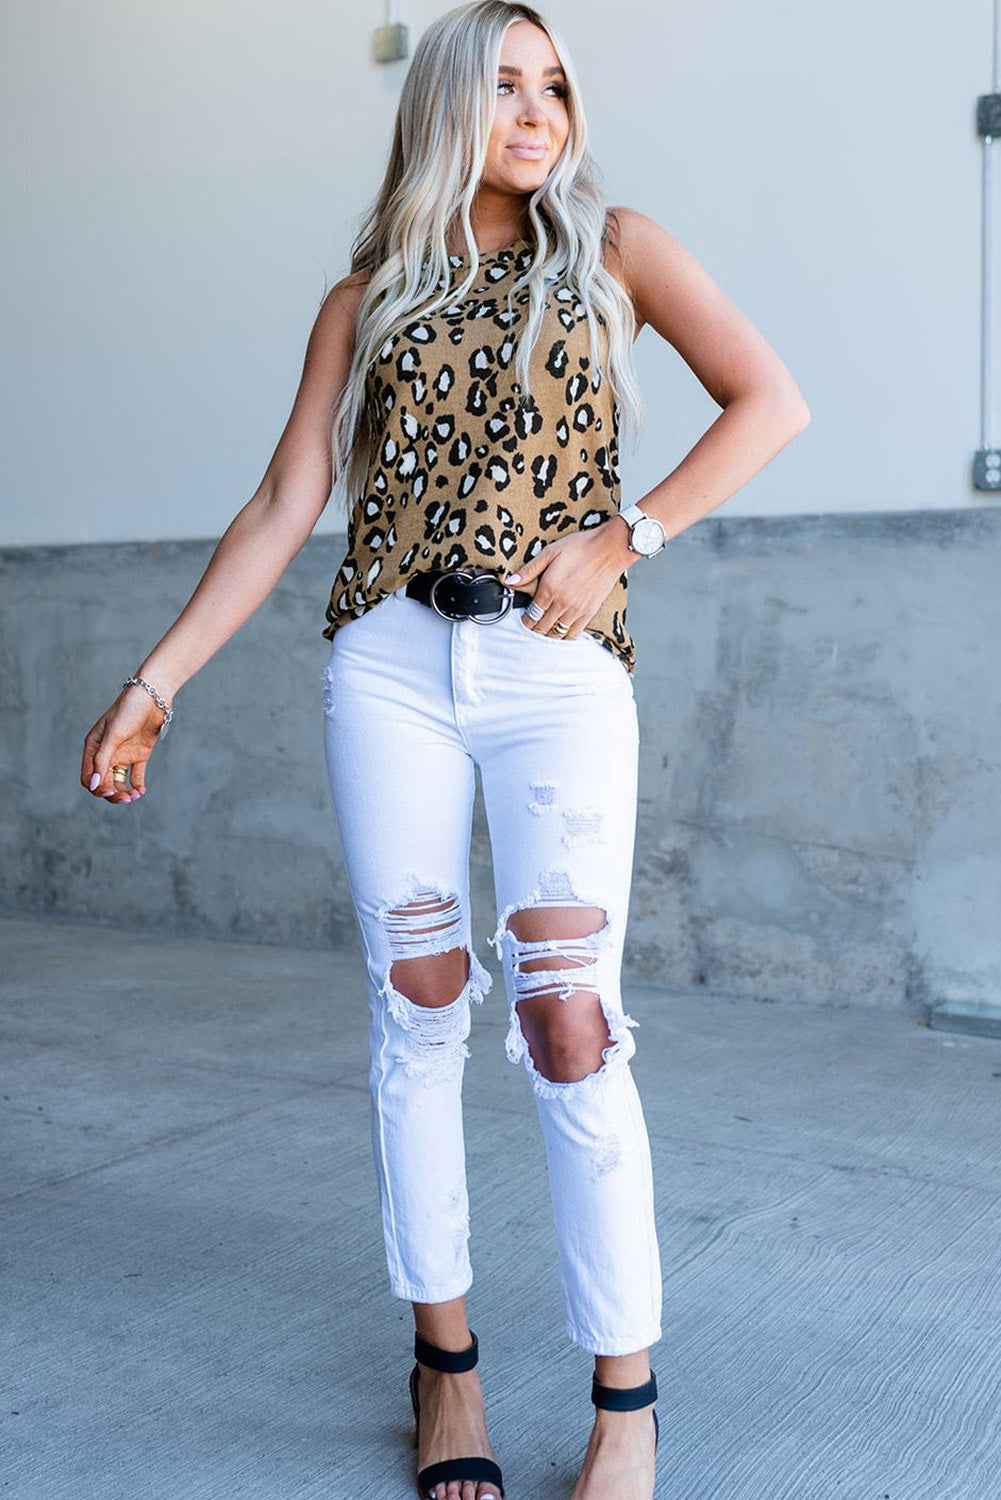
(182,182)
(820,811)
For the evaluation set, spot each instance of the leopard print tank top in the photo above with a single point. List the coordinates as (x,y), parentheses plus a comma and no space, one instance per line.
(460,473)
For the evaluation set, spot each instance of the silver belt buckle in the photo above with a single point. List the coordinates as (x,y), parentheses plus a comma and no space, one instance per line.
(470,578)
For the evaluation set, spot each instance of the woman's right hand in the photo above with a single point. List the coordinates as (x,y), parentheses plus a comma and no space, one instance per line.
(124,735)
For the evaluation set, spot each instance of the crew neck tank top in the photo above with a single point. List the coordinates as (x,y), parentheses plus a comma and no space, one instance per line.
(461,473)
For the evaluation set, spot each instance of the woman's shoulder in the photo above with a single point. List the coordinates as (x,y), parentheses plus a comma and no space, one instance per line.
(340,305)
(351,288)
(627,237)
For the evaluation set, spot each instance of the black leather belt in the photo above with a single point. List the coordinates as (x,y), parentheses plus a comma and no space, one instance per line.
(466,594)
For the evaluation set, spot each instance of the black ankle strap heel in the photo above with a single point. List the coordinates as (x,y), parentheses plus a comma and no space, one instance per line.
(627,1398)
(452,1362)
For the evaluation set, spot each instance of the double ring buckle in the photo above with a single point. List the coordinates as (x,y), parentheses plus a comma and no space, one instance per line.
(469,578)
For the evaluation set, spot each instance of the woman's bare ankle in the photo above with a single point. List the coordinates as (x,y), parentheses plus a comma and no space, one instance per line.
(623,1370)
(443,1324)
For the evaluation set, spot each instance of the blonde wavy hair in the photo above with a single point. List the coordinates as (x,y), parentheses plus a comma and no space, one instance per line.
(440,139)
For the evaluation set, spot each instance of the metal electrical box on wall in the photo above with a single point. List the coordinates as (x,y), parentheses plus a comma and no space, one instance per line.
(391,42)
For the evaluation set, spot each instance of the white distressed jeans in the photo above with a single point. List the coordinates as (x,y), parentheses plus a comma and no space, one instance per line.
(413,705)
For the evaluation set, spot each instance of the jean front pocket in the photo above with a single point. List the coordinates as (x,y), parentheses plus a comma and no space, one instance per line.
(550,638)
(586,651)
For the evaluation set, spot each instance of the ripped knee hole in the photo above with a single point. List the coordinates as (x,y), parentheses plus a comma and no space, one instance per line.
(431,956)
(557,945)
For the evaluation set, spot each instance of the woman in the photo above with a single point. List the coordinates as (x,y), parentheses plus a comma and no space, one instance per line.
(467,378)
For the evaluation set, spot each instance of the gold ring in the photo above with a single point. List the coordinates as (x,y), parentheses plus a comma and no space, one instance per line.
(560,628)
(120,773)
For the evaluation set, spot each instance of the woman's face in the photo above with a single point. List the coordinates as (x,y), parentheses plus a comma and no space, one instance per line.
(532,122)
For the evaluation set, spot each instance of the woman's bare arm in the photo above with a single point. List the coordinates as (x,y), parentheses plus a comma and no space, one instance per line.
(277,521)
(763,408)
(250,557)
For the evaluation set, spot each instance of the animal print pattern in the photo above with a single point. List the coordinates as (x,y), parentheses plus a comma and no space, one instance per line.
(463,469)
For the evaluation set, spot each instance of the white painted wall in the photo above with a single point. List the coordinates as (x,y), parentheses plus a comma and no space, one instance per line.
(181,182)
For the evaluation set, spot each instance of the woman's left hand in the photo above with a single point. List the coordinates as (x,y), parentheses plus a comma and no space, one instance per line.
(576,575)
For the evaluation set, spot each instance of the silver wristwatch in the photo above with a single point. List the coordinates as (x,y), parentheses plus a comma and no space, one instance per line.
(646,534)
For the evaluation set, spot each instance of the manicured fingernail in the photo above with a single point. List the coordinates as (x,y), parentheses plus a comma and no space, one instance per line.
(94,780)
(514,578)
(107,794)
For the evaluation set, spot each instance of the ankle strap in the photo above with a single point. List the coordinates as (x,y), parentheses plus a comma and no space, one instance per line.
(623,1398)
(452,1361)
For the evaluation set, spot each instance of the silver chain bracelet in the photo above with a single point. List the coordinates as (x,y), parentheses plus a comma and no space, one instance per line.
(141,682)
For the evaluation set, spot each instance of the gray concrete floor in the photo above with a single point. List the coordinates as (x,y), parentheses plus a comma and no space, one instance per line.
(196,1301)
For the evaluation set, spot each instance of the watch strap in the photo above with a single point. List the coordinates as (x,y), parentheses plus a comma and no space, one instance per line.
(632,514)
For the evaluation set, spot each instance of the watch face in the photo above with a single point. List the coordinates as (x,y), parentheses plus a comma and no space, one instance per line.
(647,536)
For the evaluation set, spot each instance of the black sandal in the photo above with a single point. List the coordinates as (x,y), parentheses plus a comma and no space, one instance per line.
(628,1398)
(453,1362)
